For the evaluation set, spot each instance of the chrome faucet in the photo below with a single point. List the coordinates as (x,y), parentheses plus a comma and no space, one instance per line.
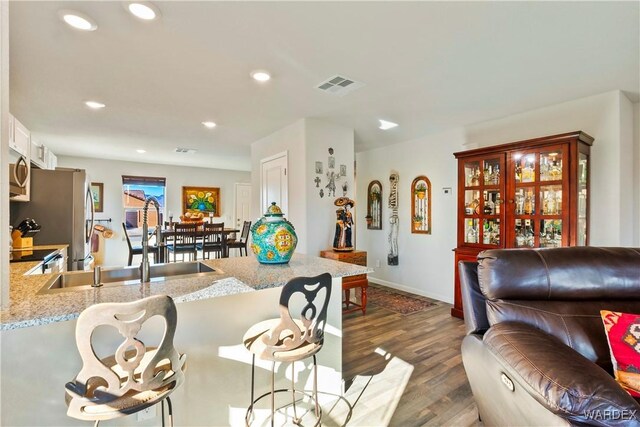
(145,269)
(97,277)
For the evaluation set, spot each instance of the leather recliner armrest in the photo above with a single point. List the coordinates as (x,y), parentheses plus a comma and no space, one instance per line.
(473,302)
(559,378)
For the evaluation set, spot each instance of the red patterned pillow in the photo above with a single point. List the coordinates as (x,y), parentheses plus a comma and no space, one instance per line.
(623,334)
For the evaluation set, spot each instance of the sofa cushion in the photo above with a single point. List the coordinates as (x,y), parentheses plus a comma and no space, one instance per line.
(575,323)
(560,379)
(623,336)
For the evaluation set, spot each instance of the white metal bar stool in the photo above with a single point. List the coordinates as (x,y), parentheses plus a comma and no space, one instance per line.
(135,377)
(286,339)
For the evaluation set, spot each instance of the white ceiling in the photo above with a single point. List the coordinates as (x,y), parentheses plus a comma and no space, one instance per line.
(427,66)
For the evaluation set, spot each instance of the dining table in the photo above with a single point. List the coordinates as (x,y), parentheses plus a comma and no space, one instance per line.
(167,233)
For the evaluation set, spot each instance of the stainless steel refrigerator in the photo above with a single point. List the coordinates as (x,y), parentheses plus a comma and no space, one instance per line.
(62,204)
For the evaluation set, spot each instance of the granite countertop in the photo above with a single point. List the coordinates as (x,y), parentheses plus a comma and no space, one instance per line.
(22,267)
(261,276)
(234,275)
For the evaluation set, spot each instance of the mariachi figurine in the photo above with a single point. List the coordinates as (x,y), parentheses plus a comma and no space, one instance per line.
(344,225)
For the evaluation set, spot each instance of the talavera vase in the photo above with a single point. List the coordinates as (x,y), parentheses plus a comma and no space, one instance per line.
(273,237)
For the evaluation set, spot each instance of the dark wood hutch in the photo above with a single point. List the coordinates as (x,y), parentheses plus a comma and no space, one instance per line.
(525,194)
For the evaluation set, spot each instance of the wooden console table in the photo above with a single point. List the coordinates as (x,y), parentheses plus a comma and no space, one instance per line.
(348,283)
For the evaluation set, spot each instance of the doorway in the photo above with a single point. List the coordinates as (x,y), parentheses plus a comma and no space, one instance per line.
(243,204)
(273,182)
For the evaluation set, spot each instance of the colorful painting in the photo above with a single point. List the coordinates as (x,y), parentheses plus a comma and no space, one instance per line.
(97,193)
(200,201)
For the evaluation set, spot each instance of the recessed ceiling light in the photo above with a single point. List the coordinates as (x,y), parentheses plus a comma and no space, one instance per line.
(94,105)
(141,151)
(77,20)
(384,124)
(210,125)
(260,75)
(142,9)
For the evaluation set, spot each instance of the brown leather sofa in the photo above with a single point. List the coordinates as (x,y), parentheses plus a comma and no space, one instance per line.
(536,353)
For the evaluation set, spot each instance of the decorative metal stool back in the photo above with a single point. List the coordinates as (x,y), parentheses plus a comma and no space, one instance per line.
(289,340)
(135,377)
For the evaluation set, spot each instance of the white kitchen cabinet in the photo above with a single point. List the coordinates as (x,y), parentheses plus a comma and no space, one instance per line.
(19,137)
(52,160)
(39,154)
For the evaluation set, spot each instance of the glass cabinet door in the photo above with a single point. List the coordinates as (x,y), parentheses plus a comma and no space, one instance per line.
(472,174)
(482,201)
(582,198)
(537,198)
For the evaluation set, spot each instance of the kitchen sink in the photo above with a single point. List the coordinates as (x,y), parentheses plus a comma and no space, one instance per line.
(82,280)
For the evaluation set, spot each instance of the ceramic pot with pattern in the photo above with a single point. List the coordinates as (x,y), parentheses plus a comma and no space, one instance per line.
(273,238)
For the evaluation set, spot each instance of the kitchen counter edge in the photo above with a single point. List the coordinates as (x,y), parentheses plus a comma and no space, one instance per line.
(235,275)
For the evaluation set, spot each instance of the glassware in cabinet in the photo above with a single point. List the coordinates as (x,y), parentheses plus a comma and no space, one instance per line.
(524,194)
(472,174)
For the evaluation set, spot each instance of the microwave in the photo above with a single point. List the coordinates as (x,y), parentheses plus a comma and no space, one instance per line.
(18,177)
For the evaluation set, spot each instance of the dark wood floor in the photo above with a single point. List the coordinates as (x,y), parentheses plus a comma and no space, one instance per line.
(437,392)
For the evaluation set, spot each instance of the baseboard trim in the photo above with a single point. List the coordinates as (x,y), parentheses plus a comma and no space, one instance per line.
(404,288)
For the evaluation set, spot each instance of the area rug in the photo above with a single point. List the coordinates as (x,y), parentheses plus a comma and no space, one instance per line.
(395,301)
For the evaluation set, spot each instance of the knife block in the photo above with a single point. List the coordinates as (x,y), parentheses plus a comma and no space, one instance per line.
(20,242)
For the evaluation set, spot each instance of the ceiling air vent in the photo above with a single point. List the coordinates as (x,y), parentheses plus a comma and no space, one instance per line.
(185,150)
(339,85)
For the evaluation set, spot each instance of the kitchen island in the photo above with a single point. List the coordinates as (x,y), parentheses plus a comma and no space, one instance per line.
(39,353)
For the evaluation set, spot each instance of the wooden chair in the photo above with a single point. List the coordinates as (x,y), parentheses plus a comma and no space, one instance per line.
(244,239)
(213,240)
(286,339)
(135,377)
(137,250)
(133,250)
(184,241)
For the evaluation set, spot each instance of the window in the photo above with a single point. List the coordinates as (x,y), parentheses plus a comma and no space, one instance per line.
(135,190)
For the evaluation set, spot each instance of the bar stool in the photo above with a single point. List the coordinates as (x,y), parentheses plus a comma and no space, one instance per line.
(135,377)
(286,339)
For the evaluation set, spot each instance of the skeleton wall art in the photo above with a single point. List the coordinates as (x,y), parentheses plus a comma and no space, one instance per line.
(392,258)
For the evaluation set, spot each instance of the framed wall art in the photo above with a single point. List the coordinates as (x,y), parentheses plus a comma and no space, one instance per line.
(421,205)
(374,206)
(97,193)
(201,199)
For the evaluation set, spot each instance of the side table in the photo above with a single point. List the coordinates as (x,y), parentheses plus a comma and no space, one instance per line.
(351,282)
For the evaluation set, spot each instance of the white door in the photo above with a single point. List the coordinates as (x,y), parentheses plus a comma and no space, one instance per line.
(274,186)
(243,204)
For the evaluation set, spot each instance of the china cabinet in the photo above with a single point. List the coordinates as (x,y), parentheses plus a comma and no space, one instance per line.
(525,194)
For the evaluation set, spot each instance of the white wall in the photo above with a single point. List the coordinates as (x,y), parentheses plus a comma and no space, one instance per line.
(636,170)
(307,141)
(110,173)
(629,187)
(321,212)
(4,154)
(426,262)
(291,140)
(601,116)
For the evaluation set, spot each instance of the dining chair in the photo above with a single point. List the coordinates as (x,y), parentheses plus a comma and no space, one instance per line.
(137,250)
(135,376)
(213,240)
(244,239)
(184,241)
